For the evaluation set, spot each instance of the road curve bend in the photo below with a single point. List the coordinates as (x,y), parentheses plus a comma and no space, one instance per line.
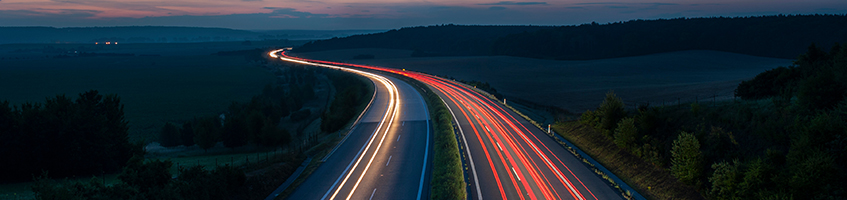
(386,155)
(509,158)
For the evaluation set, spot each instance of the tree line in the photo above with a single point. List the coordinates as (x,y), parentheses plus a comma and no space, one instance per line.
(786,138)
(780,36)
(65,136)
(434,40)
(256,121)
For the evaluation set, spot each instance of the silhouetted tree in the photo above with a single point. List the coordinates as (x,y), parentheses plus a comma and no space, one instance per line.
(169,135)
(186,134)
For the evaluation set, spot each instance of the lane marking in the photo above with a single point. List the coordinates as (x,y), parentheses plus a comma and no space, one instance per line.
(372,194)
(426,150)
(516,174)
(498,146)
(389,161)
(398,137)
(392,90)
(348,168)
(394,104)
(404,123)
(467,149)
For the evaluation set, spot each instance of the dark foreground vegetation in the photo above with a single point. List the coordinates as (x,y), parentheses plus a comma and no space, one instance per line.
(255,122)
(769,36)
(152,179)
(65,136)
(351,92)
(785,139)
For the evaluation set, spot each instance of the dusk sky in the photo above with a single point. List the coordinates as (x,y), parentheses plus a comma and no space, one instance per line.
(380,14)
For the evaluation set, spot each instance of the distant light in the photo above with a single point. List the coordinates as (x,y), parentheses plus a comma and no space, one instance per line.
(107,43)
(96,43)
(116,42)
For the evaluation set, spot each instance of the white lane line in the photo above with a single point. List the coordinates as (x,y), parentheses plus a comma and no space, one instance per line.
(498,146)
(392,98)
(467,149)
(372,194)
(348,166)
(389,161)
(395,99)
(486,129)
(398,136)
(404,123)
(426,151)
(516,174)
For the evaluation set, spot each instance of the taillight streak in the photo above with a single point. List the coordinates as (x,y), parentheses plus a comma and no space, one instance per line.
(454,93)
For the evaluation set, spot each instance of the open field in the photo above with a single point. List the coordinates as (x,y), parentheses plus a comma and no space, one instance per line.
(39,51)
(154,90)
(581,85)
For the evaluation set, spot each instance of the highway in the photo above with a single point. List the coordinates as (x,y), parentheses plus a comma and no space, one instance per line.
(385,156)
(509,158)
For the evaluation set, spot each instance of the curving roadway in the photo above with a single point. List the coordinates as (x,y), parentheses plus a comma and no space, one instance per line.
(509,158)
(385,156)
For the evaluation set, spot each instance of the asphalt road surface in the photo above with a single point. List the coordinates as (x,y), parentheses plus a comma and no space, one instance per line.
(509,157)
(386,155)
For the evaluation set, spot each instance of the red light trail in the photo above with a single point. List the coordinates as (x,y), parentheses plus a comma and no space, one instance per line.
(499,128)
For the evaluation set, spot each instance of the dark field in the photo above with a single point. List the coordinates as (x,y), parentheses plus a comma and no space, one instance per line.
(581,85)
(154,89)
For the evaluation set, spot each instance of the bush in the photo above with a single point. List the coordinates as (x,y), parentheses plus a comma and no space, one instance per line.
(206,132)
(146,176)
(695,108)
(820,92)
(169,136)
(611,112)
(626,134)
(686,158)
(186,134)
(589,118)
(234,132)
(725,180)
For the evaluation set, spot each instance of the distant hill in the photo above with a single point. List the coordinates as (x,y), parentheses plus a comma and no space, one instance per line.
(157,34)
(770,36)
(426,41)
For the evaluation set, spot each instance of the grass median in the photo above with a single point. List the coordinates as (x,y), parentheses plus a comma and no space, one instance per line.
(448,178)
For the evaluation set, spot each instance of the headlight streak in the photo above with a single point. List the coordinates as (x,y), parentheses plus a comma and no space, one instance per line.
(393,109)
(483,109)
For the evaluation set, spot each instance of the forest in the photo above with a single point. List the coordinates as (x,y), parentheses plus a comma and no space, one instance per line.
(65,136)
(784,138)
(779,36)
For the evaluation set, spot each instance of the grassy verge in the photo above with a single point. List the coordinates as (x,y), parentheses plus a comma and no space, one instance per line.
(650,181)
(625,193)
(448,181)
(448,177)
